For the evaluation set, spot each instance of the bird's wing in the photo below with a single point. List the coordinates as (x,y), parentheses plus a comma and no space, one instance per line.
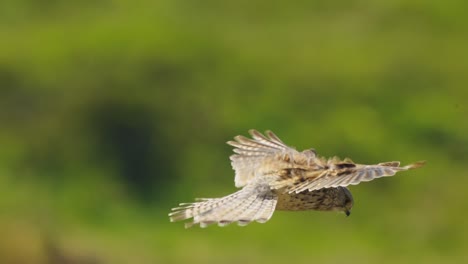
(344,174)
(262,155)
(254,202)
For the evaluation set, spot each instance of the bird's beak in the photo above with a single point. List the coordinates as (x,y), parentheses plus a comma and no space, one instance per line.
(347,212)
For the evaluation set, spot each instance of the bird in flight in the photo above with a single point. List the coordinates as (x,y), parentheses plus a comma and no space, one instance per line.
(274,176)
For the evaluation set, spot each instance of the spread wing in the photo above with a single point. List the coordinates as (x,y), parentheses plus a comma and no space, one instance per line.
(254,202)
(263,155)
(344,174)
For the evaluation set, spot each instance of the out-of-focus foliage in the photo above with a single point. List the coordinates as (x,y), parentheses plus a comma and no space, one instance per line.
(113,111)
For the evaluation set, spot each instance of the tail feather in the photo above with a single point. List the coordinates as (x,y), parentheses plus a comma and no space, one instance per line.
(244,206)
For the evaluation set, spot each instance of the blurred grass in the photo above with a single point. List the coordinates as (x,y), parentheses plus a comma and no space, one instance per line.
(114,111)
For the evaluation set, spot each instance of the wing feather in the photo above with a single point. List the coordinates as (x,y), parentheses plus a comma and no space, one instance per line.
(255,202)
(275,138)
(267,141)
(263,154)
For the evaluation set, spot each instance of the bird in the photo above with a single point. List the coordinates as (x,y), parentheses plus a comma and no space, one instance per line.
(274,176)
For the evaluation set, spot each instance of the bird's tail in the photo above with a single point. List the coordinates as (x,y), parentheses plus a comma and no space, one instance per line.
(243,207)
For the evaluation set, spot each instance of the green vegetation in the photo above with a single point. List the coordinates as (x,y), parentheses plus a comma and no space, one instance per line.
(114,111)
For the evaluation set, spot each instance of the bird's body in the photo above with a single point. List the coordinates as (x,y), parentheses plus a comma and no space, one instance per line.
(326,199)
(274,176)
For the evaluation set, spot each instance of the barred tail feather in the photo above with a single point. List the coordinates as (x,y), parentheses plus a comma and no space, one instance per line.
(243,207)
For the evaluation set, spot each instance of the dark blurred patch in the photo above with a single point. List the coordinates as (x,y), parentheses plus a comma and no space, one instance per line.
(131,137)
(17,101)
(8,79)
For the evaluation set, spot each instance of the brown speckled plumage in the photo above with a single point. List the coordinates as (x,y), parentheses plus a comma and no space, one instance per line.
(327,199)
(274,176)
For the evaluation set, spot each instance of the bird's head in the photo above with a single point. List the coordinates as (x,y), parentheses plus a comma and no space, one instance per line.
(348,202)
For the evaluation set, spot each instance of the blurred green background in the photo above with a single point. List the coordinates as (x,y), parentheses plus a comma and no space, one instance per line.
(114,111)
